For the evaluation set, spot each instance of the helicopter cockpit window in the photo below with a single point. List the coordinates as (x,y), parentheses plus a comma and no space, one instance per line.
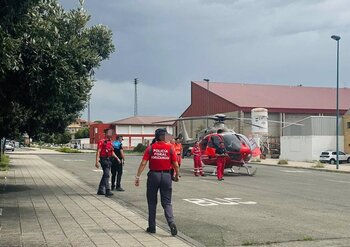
(214,142)
(245,140)
(232,143)
(204,143)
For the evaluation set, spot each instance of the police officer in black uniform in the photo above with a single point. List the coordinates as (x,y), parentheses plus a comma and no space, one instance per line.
(117,166)
(162,158)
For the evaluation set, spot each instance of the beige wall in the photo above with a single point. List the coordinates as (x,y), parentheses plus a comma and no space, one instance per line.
(346,131)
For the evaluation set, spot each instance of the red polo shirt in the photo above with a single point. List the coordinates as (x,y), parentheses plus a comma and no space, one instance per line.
(160,157)
(106,148)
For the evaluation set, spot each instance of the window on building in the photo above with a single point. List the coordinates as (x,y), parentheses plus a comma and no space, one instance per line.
(348,123)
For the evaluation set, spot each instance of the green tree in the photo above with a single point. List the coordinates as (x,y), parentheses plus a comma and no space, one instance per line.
(57,138)
(47,58)
(82,133)
(62,138)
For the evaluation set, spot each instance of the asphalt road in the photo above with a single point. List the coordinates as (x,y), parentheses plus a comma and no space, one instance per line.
(278,206)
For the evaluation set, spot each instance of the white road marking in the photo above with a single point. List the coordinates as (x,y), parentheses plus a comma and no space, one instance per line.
(205,202)
(97,170)
(292,171)
(0,211)
(339,181)
(75,160)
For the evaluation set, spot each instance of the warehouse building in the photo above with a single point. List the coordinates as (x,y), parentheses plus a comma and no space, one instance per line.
(284,104)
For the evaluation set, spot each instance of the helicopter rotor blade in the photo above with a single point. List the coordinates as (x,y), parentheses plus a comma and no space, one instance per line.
(186,118)
(276,121)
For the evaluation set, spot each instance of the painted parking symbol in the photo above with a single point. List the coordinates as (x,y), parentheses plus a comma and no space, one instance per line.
(206,202)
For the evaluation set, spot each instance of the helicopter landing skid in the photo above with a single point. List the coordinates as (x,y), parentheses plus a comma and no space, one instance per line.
(250,170)
(230,170)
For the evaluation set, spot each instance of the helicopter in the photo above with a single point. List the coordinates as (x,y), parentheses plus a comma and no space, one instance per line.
(238,146)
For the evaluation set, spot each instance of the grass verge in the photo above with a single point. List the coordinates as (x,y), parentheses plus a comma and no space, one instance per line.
(318,165)
(283,162)
(4,163)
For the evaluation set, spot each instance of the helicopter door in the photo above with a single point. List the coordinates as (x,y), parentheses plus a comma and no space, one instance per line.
(203,144)
(213,144)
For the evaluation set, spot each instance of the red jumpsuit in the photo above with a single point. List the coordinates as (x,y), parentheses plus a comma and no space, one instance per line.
(178,151)
(198,168)
(220,162)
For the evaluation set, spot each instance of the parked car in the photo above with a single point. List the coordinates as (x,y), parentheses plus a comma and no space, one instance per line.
(9,147)
(275,153)
(331,157)
(187,150)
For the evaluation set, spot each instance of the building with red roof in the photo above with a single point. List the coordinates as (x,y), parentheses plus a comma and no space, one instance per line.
(284,104)
(135,130)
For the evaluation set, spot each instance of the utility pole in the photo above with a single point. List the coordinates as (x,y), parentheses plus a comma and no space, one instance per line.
(89,111)
(208,102)
(135,99)
(337,38)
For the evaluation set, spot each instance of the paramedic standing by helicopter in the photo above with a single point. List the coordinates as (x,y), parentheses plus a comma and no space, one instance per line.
(198,168)
(178,150)
(221,155)
(162,159)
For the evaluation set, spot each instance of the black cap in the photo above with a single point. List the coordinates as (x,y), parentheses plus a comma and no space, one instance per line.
(159,132)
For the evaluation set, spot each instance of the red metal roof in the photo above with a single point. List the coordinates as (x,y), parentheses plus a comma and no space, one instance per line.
(277,96)
(144,120)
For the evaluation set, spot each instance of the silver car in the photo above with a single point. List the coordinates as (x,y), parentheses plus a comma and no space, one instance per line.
(9,147)
(331,157)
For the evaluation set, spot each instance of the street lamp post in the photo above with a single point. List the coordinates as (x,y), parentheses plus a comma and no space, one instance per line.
(207,80)
(337,38)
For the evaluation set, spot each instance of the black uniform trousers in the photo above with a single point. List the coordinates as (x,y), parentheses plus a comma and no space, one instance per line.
(106,167)
(117,171)
(159,181)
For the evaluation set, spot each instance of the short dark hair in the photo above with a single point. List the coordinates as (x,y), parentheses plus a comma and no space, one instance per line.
(160,132)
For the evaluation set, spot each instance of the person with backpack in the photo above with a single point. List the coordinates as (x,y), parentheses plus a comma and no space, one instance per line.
(117,166)
(162,158)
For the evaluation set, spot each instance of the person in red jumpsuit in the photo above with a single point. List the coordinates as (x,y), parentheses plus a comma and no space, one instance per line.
(178,150)
(221,155)
(196,152)
(162,158)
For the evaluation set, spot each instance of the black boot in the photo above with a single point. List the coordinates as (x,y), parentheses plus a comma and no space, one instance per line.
(151,230)
(108,193)
(173,229)
(100,192)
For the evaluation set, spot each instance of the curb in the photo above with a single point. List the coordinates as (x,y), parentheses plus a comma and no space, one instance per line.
(301,167)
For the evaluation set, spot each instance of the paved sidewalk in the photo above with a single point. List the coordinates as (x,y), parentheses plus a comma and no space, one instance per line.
(343,168)
(42,205)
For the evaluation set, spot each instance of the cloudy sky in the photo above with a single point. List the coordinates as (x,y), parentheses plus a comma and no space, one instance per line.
(166,44)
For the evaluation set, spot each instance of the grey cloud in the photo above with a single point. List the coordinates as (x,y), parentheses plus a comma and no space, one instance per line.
(168,43)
